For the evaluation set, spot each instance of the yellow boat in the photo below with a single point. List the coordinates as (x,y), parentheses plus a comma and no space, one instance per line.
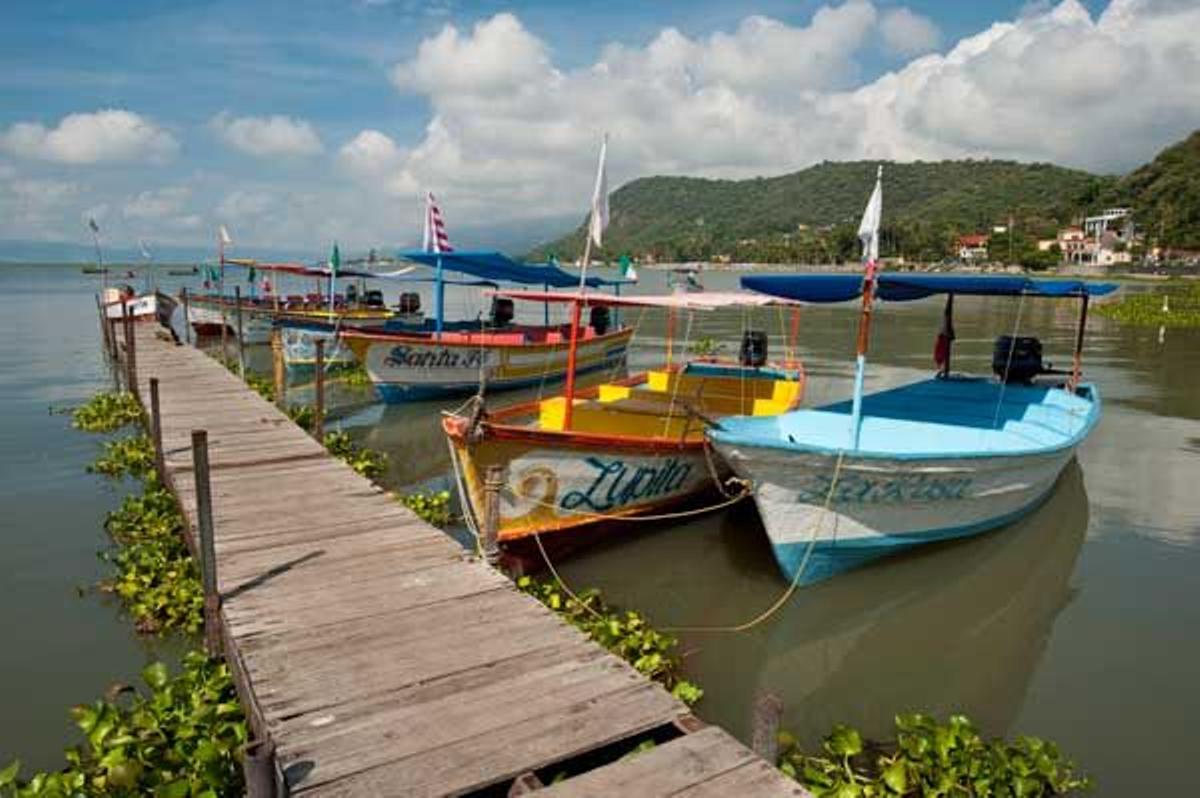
(628,447)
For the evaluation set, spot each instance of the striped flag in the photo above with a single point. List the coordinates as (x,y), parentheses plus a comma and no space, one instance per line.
(92,224)
(436,239)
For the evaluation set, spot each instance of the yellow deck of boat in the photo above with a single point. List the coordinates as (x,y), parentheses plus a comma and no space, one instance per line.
(380,659)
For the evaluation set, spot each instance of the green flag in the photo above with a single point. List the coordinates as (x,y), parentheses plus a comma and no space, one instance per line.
(627,270)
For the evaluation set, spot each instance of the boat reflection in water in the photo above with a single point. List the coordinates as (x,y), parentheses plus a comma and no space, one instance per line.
(951,627)
(957,629)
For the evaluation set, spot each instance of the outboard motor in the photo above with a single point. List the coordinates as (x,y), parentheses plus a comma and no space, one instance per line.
(502,311)
(1017,360)
(409,303)
(351,294)
(373,298)
(599,319)
(754,348)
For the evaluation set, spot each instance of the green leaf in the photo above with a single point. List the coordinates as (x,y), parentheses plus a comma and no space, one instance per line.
(895,776)
(844,741)
(175,789)
(9,774)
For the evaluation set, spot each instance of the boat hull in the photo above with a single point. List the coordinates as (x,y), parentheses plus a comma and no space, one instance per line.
(139,308)
(412,368)
(823,518)
(570,482)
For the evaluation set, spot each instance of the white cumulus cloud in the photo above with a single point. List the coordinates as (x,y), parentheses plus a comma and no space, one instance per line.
(85,138)
(157,203)
(267,136)
(513,135)
(908,33)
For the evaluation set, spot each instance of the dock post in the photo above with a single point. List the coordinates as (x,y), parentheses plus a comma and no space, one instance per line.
(187,318)
(224,332)
(278,368)
(208,553)
(319,415)
(237,312)
(130,353)
(764,729)
(258,766)
(156,428)
(492,482)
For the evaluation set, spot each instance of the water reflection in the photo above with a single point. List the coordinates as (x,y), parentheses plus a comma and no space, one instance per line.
(959,626)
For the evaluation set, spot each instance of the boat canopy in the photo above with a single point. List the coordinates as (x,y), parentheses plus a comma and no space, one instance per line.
(490,265)
(301,270)
(907,287)
(701,300)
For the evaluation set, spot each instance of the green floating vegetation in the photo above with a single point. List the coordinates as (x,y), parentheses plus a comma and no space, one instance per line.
(624,633)
(930,759)
(132,456)
(432,507)
(353,375)
(181,738)
(156,580)
(106,412)
(1172,308)
(370,463)
(303,416)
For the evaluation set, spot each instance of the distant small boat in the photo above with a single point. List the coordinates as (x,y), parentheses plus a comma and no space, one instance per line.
(94,270)
(183,272)
(842,485)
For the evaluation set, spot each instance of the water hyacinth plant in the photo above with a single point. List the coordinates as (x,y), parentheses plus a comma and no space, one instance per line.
(367,462)
(156,579)
(1179,307)
(432,507)
(181,737)
(929,758)
(133,457)
(624,633)
(107,412)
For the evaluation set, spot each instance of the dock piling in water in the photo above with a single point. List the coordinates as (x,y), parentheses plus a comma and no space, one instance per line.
(278,369)
(764,730)
(258,765)
(187,319)
(237,312)
(493,481)
(130,352)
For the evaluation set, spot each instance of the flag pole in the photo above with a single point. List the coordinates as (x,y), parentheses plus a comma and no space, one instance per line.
(577,303)
(99,256)
(869,234)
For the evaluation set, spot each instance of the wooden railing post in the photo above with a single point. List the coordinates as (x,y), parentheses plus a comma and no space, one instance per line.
(187,316)
(224,329)
(492,483)
(208,553)
(764,729)
(156,428)
(319,416)
(278,368)
(258,766)
(237,311)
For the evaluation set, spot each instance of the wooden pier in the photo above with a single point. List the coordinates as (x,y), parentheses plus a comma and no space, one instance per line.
(375,657)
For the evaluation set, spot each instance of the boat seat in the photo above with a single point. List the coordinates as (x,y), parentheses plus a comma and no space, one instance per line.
(627,417)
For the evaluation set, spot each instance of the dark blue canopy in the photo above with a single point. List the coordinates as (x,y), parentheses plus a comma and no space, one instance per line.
(905,287)
(497,266)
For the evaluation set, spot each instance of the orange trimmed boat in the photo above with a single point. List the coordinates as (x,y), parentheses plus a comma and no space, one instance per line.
(630,447)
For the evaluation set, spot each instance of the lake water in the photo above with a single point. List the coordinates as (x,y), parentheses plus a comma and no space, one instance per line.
(1076,624)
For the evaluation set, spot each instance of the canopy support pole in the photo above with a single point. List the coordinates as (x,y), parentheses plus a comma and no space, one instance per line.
(576,313)
(1077,360)
(860,365)
(546,307)
(439,289)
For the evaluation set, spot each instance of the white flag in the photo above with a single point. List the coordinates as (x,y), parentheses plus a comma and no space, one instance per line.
(600,197)
(92,224)
(223,236)
(144,249)
(868,229)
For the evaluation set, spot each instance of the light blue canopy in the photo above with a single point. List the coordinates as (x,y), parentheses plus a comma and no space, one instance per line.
(906,287)
(496,266)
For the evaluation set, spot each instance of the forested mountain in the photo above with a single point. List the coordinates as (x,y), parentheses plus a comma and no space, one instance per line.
(811,215)
(1165,195)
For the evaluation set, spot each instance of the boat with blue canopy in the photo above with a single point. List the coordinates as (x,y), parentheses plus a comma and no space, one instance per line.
(841,485)
(844,484)
(440,358)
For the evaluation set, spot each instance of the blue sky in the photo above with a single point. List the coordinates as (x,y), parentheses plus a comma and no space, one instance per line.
(253,114)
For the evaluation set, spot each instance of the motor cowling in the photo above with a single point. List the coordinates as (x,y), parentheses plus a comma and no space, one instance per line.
(1017,359)
(502,311)
(410,302)
(599,319)
(754,349)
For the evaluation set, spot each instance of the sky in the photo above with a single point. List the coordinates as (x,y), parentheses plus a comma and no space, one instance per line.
(299,122)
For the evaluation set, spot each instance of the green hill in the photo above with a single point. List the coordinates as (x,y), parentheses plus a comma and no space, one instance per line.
(1165,195)
(811,215)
